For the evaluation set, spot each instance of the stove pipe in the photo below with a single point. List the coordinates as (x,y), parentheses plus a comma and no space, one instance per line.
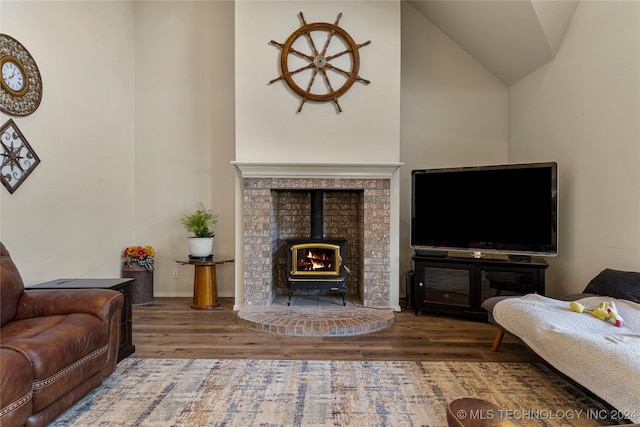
(316,215)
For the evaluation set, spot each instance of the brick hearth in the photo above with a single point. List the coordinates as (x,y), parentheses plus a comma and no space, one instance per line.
(315,321)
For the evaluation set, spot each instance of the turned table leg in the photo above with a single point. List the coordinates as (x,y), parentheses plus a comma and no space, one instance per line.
(205,287)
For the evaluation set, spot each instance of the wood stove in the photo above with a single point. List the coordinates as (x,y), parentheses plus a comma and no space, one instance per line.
(316,262)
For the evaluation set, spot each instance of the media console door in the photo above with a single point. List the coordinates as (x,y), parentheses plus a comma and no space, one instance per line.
(459,285)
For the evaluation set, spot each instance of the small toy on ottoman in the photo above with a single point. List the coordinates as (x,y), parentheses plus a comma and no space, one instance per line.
(605,311)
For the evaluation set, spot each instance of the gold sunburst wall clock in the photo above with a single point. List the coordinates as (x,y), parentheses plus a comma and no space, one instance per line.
(324,74)
(20,81)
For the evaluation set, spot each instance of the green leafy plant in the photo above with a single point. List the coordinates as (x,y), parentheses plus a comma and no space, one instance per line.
(200,222)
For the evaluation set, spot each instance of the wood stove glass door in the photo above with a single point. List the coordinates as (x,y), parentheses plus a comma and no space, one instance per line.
(315,259)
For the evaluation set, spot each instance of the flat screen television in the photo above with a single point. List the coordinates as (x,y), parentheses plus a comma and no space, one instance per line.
(510,209)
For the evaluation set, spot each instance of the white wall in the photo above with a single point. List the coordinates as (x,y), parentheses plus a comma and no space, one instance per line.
(184,132)
(454,112)
(582,110)
(137,125)
(73,214)
(169,122)
(135,128)
(267,126)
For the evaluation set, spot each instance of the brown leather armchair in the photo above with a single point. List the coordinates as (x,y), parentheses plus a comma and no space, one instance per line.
(55,346)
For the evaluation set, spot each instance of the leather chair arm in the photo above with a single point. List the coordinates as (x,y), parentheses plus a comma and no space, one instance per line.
(102,303)
(106,304)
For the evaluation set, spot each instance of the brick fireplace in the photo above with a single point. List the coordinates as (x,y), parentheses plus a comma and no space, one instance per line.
(275,206)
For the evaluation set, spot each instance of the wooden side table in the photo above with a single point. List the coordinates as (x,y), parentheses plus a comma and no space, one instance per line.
(205,283)
(123,286)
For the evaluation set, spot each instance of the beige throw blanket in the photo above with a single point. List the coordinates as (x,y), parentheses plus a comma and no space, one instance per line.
(601,357)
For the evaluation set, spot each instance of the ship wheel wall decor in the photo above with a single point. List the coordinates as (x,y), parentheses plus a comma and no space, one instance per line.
(338,60)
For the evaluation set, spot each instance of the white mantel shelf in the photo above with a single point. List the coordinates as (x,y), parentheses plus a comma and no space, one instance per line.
(363,170)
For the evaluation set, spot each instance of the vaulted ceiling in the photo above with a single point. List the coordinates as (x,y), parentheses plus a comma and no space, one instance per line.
(511,38)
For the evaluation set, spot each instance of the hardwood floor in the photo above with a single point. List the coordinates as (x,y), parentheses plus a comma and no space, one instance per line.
(169,328)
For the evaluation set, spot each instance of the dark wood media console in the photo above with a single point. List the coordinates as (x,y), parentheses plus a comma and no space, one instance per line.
(458,284)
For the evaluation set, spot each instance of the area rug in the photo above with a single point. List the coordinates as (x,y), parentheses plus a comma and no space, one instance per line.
(205,392)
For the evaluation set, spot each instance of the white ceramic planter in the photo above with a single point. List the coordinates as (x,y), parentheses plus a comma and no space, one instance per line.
(200,246)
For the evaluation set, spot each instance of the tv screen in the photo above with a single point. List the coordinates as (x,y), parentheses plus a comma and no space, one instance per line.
(510,209)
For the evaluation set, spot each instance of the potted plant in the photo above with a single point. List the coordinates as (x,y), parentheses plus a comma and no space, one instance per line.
(138,264)
(200,223)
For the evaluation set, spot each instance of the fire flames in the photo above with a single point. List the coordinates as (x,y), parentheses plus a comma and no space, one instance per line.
(317,260)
